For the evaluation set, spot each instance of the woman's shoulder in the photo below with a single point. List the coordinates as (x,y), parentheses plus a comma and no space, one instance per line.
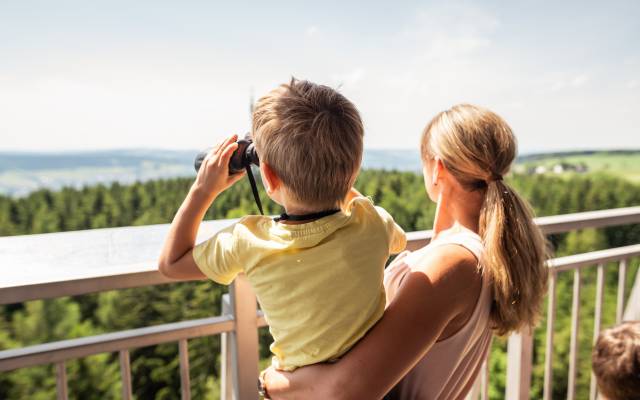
(453,252)
(448,260)
(456,282)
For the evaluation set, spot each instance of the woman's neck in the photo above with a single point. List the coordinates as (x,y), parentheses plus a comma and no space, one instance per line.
(458,210)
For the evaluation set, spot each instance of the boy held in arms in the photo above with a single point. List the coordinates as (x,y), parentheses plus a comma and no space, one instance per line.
(317,271)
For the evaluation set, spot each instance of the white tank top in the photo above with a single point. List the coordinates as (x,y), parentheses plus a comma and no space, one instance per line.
(450,368)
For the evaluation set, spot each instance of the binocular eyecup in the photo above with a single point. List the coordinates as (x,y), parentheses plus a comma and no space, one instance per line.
(244,156)
(241,160)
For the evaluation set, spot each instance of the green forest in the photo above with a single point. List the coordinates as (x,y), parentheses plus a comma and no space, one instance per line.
(155,369)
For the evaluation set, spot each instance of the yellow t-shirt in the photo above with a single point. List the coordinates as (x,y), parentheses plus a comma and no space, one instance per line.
(319,283)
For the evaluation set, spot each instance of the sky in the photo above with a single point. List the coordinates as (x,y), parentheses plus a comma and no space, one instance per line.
(85,75)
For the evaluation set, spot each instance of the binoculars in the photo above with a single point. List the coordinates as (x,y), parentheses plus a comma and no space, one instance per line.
(244,156)
(241,160)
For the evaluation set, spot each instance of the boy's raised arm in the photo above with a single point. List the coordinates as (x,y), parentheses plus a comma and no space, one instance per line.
(176,259)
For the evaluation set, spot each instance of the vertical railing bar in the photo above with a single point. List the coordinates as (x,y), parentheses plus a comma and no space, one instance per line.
(632,301)
(575,321)
(227,350)
(245,364)
(185,382)
(484,393)
(596,321)
(551,317)
(622,280)
(519,365)
(61,381)
(125,374)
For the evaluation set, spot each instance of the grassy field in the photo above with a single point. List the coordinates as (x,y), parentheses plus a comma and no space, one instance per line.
(625,164)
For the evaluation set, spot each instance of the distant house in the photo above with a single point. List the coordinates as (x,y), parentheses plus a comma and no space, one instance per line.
(558,168)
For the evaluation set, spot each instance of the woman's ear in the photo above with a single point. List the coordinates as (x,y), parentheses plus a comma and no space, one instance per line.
(269,178)
(438,168)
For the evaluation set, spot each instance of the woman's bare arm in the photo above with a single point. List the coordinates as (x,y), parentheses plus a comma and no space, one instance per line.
(429,298)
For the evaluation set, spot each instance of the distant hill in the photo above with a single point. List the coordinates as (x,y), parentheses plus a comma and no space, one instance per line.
(21,173)
(579,153)
(623,163)
(91,159)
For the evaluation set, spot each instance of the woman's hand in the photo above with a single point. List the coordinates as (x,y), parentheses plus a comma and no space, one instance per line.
(275,381)
(213,176)
(296,385)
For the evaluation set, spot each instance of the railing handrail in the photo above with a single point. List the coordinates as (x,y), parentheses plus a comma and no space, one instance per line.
(595,257)
(62,350)
(559,223)
(137,272)
(110,342)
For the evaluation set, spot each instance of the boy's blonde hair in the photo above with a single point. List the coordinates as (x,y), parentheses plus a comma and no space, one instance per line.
(478,147)
(616,361)
(312,138)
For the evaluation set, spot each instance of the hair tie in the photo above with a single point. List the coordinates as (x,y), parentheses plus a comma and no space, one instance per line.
(494,178)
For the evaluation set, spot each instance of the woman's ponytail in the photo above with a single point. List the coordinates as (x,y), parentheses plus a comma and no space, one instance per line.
(514,256)
(478,147)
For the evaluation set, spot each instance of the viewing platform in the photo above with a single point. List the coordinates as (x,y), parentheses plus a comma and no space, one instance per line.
(45,266)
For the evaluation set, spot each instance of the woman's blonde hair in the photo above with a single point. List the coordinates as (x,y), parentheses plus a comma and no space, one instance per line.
(477,147)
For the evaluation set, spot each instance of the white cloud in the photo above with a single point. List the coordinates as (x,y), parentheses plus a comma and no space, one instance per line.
(350,78)
(450,31)
(311,30)
(632,84)
(579,80)
(559,85)
(576,81)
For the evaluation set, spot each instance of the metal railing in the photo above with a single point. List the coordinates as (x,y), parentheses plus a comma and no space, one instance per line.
(240,318)
(520,346)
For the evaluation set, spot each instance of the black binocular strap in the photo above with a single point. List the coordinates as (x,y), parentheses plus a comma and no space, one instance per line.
(254,188)
(305,217)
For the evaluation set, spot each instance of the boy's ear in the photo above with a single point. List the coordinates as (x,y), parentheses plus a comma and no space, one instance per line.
(271,180)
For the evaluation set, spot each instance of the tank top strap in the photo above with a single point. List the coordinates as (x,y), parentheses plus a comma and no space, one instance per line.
(467,239)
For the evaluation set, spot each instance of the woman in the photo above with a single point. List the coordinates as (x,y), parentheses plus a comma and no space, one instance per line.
(483,272)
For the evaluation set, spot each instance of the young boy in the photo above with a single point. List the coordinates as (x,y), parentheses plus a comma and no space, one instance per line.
(616,362)
(317,270)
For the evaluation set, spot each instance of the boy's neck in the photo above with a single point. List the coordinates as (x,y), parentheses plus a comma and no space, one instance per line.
(296,209)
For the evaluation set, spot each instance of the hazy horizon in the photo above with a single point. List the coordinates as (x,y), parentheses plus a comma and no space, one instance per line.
(366,148)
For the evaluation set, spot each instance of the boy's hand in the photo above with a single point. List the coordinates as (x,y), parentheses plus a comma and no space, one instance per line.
(213,177)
